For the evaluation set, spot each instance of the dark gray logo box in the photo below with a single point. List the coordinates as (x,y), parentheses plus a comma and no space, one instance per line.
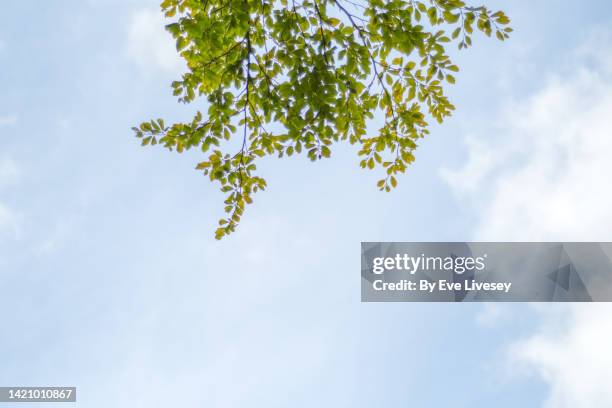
(37,394)
(498,272)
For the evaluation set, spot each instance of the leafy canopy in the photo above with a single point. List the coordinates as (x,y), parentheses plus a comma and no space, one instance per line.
(287,77)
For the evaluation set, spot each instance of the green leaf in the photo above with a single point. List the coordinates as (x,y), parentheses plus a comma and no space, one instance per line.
(285,79)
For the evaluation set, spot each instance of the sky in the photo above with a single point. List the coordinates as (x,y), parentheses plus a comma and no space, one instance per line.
(111,279)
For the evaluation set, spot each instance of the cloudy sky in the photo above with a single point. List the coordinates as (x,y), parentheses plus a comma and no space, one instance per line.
(111,280)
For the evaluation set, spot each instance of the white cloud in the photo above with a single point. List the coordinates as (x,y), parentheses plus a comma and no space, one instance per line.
(149,45)
(572,354)
(544,174)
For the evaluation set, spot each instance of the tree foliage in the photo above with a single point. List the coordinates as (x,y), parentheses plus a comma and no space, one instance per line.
(295,76)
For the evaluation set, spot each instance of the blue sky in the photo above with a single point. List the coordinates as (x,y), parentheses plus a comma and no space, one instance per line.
(111,279)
